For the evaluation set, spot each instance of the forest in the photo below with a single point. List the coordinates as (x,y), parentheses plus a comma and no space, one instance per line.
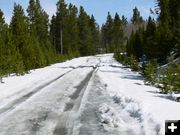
(35,40)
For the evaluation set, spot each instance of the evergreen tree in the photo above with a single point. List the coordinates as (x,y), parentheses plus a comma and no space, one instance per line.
(135,44)
(164,33)
(150,49)
(94,34)
(28,42)
(3,27)
(150,72)
(129,46)
(38,20)
(117,33)
(174,7)
(61,19)
(124,20)
(170,79)
(20,38)
(108,34)
(103,39)
(85,37)
(39,24)
(72,26)
(137,18)
(53,31)
(138,44)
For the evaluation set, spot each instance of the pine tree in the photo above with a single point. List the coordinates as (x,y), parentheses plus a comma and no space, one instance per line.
(72,31)
(94,34)
(103,40)
(38,20)
(124,20)
(149,72)
(117,33)
(61,19)
(132,61)
(3,28)
(108,34)
(165,35)
(135,44)
(137,18)
(85,37)
(53,31)
(169,79)
(150,49)
(39,25)
(174,7)
(19,28)
(32,12)
(130,43)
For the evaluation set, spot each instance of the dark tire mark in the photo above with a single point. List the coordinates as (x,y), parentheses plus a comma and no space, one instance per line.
(17,102)
(61,127)
(69,106)
(61,131)
(83,84)
(72,67)
(72,107)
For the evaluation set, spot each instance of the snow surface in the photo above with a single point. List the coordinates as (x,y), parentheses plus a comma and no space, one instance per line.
(87,95)
(141,102)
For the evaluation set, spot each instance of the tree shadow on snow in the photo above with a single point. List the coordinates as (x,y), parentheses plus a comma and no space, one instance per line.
(106,71)
(132,77)
(168,97)
(153,92)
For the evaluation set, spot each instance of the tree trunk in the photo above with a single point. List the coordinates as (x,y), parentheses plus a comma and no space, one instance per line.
(61,42)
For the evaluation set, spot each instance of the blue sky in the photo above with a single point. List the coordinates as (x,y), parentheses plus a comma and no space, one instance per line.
(98,8)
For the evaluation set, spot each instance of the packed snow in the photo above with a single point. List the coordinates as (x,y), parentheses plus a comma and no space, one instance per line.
(87,95)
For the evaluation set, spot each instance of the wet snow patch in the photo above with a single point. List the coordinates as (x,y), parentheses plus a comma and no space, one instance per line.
(125,116)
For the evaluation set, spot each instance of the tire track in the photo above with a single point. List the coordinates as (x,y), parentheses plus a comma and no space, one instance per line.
(12,105)
(67,119)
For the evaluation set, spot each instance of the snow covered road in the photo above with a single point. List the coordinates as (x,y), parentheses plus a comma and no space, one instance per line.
(92,95)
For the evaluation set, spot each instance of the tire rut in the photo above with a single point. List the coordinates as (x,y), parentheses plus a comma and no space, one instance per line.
(66,120)
(25,97)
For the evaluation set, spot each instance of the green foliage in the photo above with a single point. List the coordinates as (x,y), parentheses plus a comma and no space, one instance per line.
(112,35)
(158,38)
(117,33)
(84,33)
(21,39)
(124,20)
(72,34)
(2,44)
(128,61)
(165,37)
(135,44)
(30,43)
(41,48)
(133,63)
(137,18)
(95,34)
(150,72)
(171,79)
(122,58)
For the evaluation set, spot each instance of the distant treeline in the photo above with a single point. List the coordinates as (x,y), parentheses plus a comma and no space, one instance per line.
(157,38)
(153,47)
(34,41)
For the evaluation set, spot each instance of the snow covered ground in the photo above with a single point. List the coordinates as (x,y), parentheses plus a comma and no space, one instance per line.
(89,95)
